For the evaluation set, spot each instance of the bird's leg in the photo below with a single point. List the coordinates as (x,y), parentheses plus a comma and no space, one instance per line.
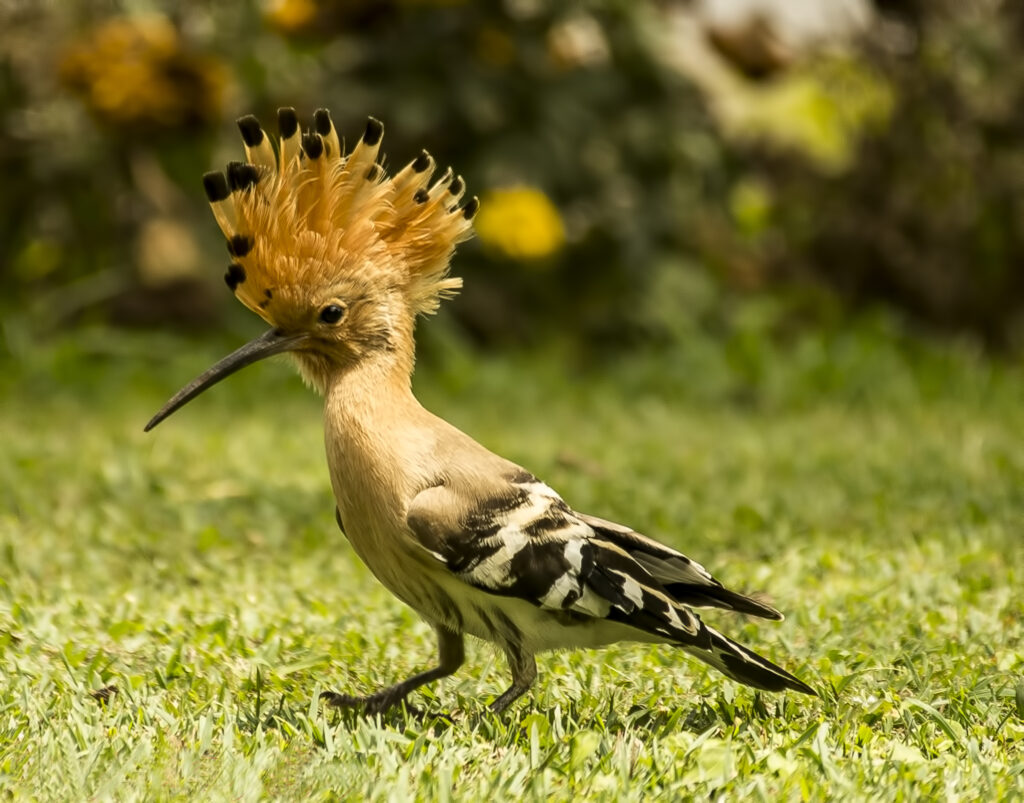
(524,672)
(451,656)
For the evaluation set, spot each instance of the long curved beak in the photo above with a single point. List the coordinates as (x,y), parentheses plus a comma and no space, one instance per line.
(266,345)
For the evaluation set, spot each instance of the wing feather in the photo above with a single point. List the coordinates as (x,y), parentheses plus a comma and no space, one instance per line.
(521,540)
(525,542)
(686,580)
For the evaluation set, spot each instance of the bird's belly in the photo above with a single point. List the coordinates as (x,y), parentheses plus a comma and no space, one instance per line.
(444,600)
(508,620)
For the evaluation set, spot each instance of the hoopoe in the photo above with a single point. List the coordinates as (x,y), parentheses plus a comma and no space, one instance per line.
(340,260)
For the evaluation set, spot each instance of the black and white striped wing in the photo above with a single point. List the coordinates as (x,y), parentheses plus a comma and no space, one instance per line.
(527,543)
(686,581)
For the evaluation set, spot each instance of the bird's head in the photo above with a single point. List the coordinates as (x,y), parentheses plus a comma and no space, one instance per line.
(336,256)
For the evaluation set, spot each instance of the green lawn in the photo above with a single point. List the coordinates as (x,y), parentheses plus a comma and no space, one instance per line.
(874,487)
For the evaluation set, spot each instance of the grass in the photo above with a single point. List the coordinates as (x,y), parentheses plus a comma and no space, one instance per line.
(171,604)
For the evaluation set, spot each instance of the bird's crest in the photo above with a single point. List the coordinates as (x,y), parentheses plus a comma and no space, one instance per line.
(306,214)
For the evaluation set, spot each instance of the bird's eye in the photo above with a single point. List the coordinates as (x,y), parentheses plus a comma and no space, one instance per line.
(332,313)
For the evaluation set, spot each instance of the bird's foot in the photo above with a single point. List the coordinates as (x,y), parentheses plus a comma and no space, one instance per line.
(380,703)
(371,704)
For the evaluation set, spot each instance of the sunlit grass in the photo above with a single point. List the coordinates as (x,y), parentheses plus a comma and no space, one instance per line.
(195,576)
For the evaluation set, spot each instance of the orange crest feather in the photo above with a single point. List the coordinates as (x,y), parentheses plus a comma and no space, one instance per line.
(309,215)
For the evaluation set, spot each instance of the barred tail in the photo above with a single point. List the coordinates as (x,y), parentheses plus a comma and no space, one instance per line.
(745,666)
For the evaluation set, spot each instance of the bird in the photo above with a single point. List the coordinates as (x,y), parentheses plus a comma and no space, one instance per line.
(341,260)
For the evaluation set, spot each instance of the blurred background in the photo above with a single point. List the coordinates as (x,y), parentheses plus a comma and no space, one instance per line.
(748,276)
(652,173)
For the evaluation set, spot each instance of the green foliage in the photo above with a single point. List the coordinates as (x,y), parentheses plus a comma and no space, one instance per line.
(928,218)
(888,173)
(194,578)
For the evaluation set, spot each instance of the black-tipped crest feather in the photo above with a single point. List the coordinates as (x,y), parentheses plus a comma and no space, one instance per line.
(312,197)
(374,131)
(287,122)
(252,134)
(216,186)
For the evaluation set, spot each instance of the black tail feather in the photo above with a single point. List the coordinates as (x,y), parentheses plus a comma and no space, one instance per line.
(708,596)
(747,667)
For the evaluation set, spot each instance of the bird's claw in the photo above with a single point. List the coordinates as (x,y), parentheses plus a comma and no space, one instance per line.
(379,704)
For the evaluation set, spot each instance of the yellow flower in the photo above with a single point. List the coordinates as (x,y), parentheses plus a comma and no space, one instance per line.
(322,19)
(291,16)
(136,72)
(520,223)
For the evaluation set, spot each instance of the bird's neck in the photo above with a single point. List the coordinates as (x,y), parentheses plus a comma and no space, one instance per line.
(376,388)
(378,439)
